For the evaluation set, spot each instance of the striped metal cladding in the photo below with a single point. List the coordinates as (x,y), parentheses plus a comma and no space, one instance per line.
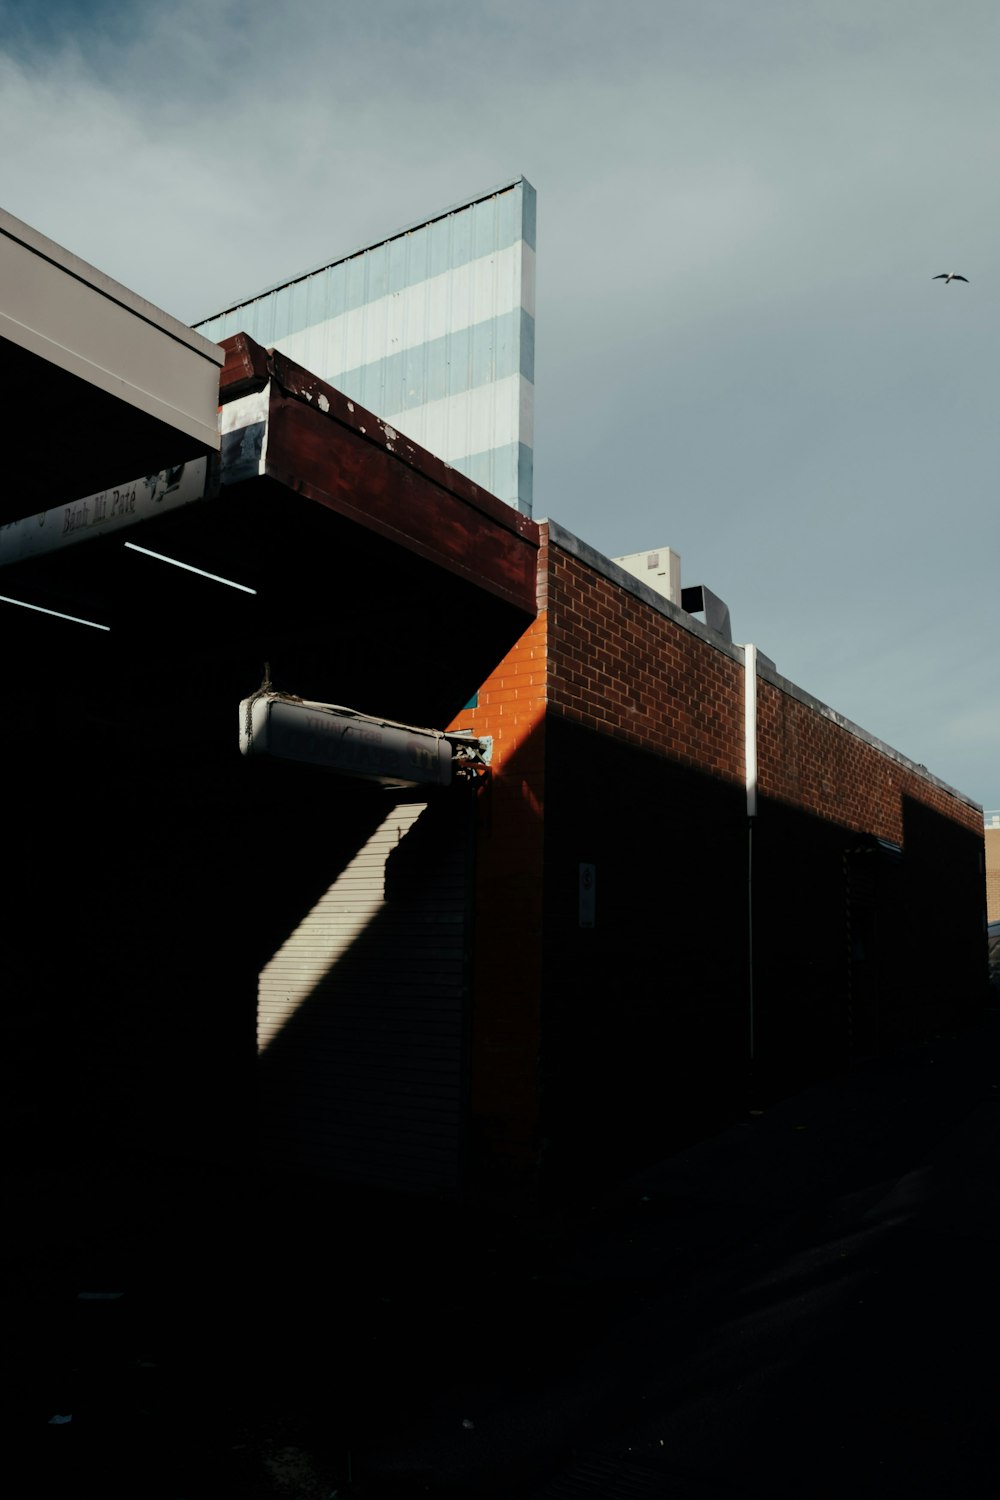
(433,330)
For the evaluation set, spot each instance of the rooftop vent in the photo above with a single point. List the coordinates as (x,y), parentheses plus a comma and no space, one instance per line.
(701,601)
(660,569)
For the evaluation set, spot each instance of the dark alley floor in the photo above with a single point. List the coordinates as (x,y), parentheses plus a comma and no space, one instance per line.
(804,1305)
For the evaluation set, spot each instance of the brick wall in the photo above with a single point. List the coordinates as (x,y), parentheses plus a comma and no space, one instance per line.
(643,1015)
(622,667)
(507,977)
(814,763)
(618,742)
(618,665)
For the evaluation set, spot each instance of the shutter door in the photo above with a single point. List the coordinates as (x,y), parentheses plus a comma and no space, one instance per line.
(362,1013)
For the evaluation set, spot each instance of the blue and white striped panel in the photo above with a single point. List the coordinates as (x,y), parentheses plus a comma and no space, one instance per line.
(433,330)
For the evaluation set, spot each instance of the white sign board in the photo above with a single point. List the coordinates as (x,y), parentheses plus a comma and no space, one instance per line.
(108,510)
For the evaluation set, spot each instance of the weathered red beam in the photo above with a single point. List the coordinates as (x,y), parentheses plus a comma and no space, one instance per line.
(326,447)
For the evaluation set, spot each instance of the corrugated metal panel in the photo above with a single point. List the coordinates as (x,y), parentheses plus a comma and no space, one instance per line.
(362,1013)
(433,330)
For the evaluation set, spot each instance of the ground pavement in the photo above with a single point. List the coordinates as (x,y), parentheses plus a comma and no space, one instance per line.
(803,1305)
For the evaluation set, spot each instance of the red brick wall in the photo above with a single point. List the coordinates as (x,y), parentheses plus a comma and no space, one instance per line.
(598,661)
(620,669)
(808,761)
(507,974)
(618,665)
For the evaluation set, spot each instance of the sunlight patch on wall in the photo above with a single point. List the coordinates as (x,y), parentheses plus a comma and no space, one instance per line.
(324,936)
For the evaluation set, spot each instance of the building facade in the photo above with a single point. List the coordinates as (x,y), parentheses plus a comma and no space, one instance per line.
(993,866)
(646,950)
(670,874)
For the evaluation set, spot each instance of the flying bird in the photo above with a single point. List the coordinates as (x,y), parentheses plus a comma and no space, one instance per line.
(947,276)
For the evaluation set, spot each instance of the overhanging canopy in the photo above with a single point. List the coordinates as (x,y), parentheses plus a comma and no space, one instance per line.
(97,385)
(366,570)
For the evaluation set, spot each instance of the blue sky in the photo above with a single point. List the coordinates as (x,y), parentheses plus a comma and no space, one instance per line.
(740,349)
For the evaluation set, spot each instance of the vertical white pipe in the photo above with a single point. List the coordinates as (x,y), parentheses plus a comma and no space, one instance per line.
(750,727)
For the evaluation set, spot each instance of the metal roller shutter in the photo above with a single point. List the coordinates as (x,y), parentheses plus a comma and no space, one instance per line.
(362,1012)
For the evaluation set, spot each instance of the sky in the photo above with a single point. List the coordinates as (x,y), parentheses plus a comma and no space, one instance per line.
(740,349)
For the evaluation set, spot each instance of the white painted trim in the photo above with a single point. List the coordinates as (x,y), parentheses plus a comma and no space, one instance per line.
(113,509)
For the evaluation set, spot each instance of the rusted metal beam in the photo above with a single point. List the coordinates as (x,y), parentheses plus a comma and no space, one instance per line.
(245,369)
(324,446)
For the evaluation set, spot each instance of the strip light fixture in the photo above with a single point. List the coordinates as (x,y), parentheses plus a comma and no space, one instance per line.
(189,568)
(55,613)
